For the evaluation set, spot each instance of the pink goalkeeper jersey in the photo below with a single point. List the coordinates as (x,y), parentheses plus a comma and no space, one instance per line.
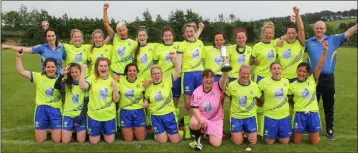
(208,103)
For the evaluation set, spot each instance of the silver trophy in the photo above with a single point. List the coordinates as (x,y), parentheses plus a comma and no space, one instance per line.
(226,66)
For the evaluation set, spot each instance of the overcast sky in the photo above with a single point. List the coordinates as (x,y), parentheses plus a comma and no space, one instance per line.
(129,10)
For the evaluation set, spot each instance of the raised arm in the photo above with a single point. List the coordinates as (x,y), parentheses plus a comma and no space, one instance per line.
(177,64)
(222,81)
(106,22)
(17,48)
(20,67)
(201,28)
(58,84)
(115,94)
(82,82)
(350,32)
(317,70)
(301,29)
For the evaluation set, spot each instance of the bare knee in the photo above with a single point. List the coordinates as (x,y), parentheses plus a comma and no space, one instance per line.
(237,142)
(215,143)
(40,141)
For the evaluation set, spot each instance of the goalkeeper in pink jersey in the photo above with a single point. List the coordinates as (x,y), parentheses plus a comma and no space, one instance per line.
(207,109)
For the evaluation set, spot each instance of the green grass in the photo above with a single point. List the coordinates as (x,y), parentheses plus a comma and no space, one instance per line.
(18,104)
(335,23)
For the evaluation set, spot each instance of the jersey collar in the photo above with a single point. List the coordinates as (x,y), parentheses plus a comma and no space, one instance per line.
(325,37)
(131,81)
(243,84)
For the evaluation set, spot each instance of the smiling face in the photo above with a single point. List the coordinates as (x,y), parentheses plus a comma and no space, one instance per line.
(219,40)
(102,68)
(268,34)
(142,37)
(168,37)
(132,72)
(244,75)
(51,37)
(97,39)
(320,29)
(241,39)
(157,75)
(302,73)
(292,34)
(189,32)
(208,79)
(75,73)
(123,31)
(50,69)
(276,70)
(76,38)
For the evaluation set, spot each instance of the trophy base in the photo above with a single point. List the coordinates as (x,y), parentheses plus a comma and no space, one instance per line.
(226,68)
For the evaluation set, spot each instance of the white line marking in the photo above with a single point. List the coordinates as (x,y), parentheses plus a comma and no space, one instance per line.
(18,128)
(153,142)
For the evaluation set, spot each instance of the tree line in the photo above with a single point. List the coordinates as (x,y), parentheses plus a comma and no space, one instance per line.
(25,24)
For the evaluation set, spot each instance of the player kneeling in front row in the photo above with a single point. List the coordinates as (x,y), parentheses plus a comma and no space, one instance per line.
(244,94)
(75,106)
(207,109)
(159,97)
(48,99)
(303,93)
(103,93)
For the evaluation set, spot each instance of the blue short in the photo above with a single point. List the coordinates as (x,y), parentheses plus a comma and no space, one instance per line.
(248,125)
(292,80)
(176,89)
(277,128)
(191,81)
(132,118)
(46,116)
(68,124)
(258,78)
(232,79)
(307,122)
(164,123)
(95,128)
(217,78)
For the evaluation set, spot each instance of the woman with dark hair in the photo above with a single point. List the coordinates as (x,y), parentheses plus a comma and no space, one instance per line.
(276,116)
(302,93)
(131,104)
(48,100)
(207,109)
(291,49)
(103,93)
(46,50)
(75,106)
(212,58)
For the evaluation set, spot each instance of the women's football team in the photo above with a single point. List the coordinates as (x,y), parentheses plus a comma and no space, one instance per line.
(135,85)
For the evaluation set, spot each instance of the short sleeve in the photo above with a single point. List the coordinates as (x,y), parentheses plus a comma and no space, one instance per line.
(110,49)
(194,100)
(156,55)
(64,54)
(258,92)
(35,77)
(338,40)
(203,55)
(228,90)
(254,51)
(37,49)
(290,90)
(181,48)
(261,85)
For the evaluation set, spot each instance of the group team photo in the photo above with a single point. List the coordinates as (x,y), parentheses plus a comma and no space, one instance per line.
(122,88)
